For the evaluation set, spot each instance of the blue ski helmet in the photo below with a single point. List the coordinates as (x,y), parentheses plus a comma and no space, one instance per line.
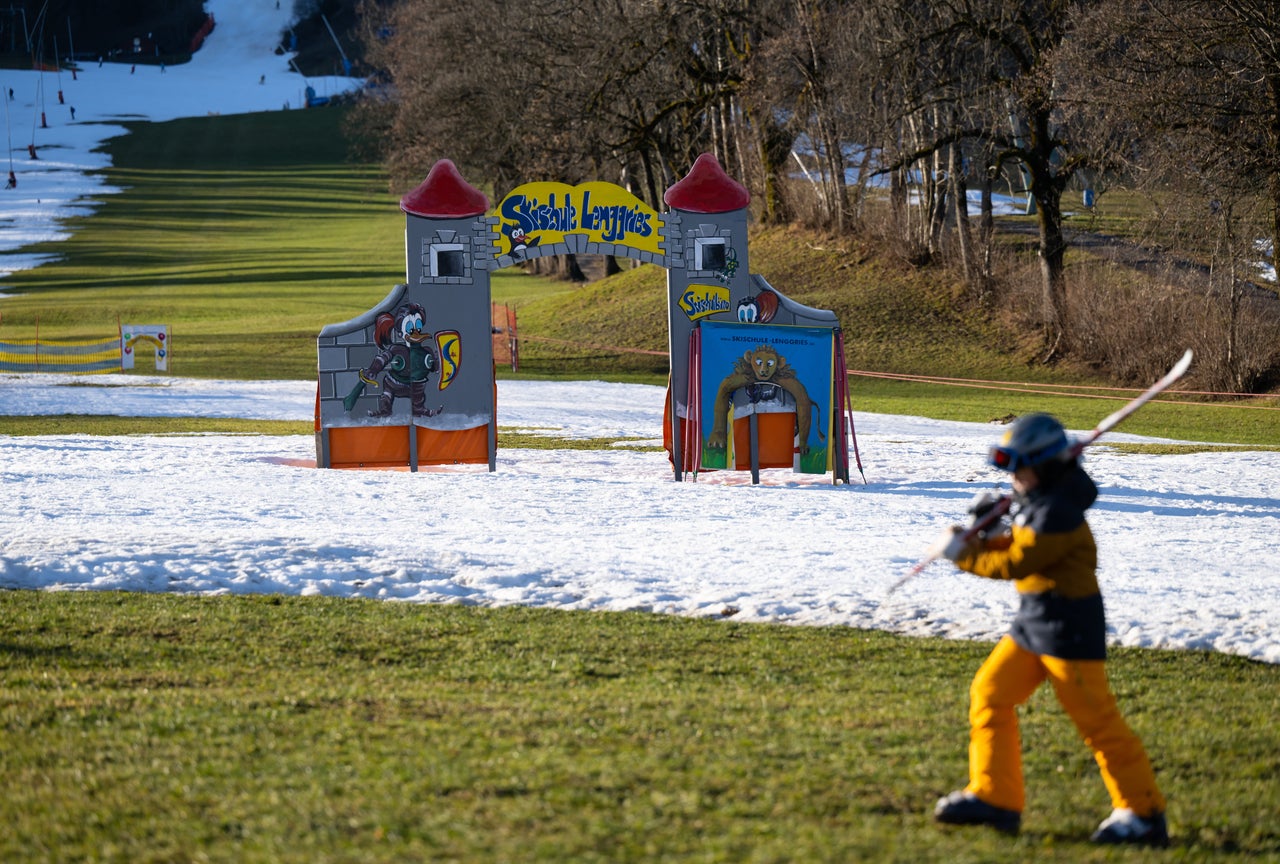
(1031,440)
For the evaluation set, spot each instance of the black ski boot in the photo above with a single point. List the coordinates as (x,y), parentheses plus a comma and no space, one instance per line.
(1125,826)
(965,808)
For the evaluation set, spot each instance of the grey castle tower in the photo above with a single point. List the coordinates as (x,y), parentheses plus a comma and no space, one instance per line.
(410,382)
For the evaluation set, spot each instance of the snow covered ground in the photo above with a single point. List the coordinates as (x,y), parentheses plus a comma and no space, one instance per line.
(236,71)
(1187,543)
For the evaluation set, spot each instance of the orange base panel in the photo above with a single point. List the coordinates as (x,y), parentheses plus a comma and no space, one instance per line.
(776,434)
(388,446)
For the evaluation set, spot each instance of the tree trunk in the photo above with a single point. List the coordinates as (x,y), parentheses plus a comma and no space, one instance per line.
(833,157)
(1052,253)
(1233,295)
(860,190)
(987,221)
(898,199)
(1046,184)
(774,146)
(939,187)
(1274,182)
(650,181)
(960,200)
(1273,175)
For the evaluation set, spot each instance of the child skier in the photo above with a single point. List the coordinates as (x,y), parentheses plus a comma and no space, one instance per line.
(1058,634)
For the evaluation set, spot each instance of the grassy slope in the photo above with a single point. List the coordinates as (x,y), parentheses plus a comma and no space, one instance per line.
(245,233)
(895,318)
(226,233)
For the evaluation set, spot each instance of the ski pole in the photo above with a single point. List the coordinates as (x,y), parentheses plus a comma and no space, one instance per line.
(1108,423)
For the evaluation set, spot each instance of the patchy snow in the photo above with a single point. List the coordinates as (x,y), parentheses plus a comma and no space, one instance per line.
(1187,559)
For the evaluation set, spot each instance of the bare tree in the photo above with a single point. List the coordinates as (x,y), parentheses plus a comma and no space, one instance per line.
(436,102)
(987,72)
(1197,84)
(1198,79)
(567,89)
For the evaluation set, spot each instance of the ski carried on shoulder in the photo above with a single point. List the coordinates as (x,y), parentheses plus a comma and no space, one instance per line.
(1112,420)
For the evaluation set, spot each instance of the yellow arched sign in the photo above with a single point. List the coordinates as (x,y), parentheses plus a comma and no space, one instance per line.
(538,214)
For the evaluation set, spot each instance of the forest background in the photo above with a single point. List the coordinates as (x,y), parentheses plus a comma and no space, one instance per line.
(886,125)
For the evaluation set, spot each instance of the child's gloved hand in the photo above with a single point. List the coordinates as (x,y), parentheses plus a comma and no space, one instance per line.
(981,507)
(950,544)
(982,503)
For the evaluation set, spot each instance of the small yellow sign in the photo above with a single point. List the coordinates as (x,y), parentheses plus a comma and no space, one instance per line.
(450,344)
(699,301)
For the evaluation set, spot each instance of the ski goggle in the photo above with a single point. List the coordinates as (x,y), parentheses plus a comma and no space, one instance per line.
(1008,459)
(1005,459)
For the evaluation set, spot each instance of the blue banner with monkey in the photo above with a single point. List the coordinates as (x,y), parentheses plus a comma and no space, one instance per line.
(780,375)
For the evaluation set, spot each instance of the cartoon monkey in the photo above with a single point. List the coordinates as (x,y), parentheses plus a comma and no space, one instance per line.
(762,371)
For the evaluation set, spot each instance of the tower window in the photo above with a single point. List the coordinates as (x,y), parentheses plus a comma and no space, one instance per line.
(709,253)
(448,261)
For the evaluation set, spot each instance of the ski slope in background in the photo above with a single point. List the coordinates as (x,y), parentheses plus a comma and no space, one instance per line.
(236,71)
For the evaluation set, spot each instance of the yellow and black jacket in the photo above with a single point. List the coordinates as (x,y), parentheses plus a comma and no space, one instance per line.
(1051,556)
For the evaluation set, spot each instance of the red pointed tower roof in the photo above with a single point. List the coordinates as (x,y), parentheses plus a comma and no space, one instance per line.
(707,189)
(445,195)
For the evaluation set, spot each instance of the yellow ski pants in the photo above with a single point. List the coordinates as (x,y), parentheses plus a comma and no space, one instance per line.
(1007,679)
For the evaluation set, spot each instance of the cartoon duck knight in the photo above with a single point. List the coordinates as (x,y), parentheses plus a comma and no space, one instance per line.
(406,359)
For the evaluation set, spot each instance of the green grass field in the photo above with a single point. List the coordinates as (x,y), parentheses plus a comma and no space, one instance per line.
(148,728)
(165,728)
